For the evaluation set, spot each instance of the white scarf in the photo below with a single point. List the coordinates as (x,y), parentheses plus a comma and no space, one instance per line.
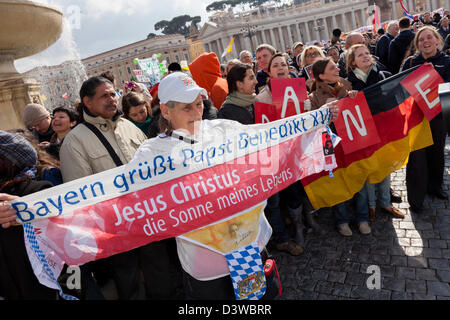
(361,75)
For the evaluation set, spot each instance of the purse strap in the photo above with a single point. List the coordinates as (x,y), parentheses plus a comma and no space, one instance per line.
(105,142)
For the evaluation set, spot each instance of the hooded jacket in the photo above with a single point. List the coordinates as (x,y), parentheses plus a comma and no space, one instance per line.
(205,71)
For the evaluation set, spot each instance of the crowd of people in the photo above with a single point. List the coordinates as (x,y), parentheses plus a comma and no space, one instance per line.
(106,129)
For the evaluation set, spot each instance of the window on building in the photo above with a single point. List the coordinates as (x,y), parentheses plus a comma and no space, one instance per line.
(176,57)
(129,70)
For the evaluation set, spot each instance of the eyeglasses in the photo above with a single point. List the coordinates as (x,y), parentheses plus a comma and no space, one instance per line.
(313,54)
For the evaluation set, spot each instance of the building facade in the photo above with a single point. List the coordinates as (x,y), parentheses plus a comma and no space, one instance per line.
(60,84)
(119,61)
(308,21)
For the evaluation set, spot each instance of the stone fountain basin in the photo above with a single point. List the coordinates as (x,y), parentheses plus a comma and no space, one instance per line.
(27,28)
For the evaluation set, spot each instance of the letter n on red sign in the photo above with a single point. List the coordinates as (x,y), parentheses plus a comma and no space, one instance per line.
(423,85)
(355,124)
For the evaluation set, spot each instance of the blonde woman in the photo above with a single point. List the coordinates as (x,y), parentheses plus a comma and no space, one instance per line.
(425,169)
(309,55)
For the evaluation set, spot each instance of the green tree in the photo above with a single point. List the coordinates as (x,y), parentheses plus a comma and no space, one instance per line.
(223,5)
(178,24)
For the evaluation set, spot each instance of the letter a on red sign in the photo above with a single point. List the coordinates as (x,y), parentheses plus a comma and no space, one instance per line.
(423,86)
(265,113)
(355,125)
(289,96)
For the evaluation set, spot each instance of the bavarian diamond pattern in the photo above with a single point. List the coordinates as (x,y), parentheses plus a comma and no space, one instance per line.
(31,236)
(247,273)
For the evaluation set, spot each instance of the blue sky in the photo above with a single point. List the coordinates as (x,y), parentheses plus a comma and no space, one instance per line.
(103,25)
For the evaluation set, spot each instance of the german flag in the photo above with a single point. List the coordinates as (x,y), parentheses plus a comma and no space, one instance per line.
(402,128)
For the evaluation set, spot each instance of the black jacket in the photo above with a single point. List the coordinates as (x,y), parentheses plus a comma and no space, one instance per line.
(446,43)
(382,48)
(17,279)
(444,33)
(397,49)
(41,137)
(374,77)
(440,61)
(243,115)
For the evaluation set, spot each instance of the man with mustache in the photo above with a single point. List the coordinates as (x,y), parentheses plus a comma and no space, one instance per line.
(83,154)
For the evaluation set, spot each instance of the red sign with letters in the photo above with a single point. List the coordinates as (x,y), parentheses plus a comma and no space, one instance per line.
(265,113)
(355,124)
(288,98)
(423,85)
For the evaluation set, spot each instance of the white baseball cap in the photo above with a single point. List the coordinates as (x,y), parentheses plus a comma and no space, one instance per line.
(179,87)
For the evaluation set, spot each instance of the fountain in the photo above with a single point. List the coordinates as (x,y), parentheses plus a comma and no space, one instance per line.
(26,28)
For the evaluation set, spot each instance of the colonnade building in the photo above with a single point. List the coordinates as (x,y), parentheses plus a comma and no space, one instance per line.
(309,21)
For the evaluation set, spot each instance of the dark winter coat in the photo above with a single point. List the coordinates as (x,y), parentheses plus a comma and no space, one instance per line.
(397,49)
(374,77)
(382,49)
(17,279)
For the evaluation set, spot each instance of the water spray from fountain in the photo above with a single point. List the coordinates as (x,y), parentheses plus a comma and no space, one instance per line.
(58,69)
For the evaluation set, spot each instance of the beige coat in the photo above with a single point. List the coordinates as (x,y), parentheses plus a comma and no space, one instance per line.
(83,154)
(323,92)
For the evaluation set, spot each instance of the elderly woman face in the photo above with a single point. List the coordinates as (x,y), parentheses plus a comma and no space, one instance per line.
(184,116)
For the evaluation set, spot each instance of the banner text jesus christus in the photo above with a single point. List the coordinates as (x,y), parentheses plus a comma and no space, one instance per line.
(164,167)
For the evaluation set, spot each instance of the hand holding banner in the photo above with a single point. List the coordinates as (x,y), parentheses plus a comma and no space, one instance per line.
(355,125)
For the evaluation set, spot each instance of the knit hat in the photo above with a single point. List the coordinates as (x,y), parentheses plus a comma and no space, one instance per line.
(17,149)
(34,113)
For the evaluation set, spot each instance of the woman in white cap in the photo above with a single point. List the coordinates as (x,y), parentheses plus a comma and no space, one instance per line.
(181,126)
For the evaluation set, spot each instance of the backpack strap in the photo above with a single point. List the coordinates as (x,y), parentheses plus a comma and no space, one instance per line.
(105,142)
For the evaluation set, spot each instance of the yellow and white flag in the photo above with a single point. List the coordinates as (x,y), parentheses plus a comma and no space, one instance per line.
(229,48)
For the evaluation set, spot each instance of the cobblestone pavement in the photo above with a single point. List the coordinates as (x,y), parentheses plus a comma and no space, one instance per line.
(413,255)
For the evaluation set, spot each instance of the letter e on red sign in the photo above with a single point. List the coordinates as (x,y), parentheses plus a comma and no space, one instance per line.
(423,85)
(355,125)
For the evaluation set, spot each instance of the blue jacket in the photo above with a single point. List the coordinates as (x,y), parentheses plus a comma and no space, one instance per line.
(262,77)
(397,49)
